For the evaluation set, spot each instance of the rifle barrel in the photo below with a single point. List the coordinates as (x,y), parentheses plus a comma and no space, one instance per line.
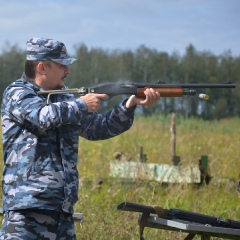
(189,85)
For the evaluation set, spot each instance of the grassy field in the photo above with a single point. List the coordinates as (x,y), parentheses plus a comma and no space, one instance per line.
(219,140)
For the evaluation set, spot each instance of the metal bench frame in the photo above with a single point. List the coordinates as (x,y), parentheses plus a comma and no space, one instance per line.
(205,231)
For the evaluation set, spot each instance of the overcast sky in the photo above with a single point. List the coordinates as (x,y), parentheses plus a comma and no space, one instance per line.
(164,25)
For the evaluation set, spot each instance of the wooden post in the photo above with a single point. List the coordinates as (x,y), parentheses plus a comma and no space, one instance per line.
(175,158)
(142,155)
(173,138)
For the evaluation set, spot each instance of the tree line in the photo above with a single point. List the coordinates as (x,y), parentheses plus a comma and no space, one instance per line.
(97,65)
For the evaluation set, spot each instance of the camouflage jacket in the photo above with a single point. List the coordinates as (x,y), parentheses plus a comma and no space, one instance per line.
(40,143)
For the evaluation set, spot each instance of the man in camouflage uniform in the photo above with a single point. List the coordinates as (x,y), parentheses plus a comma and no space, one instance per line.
(40,142)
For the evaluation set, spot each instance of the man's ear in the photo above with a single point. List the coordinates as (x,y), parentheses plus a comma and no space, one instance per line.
(41,68)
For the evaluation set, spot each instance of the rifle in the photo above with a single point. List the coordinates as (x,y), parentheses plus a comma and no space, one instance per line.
(181,215)
(134,88)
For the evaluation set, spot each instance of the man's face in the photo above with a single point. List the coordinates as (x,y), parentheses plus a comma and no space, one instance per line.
(55,74)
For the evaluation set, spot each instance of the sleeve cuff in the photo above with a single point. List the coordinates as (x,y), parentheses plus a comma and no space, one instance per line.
(128,111)
(82,105)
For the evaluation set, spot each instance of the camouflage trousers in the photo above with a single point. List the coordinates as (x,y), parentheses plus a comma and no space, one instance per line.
(34,224)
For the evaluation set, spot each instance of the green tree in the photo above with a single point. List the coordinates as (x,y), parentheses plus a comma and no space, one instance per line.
(11,65)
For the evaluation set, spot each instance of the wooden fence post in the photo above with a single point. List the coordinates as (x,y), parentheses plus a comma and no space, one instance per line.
(175,158)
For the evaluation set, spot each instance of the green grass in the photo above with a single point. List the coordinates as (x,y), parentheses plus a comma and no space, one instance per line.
(219,140)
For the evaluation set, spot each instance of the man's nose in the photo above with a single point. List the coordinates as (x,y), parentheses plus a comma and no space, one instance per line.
(66,69)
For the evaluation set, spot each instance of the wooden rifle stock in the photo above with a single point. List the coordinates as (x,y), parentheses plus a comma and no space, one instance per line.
(167,91)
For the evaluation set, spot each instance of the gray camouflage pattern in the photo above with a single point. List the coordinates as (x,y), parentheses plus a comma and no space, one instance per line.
(44,49)
(37,225)
(40,144)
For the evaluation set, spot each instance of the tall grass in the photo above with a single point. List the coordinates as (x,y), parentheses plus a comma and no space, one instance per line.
(219,140)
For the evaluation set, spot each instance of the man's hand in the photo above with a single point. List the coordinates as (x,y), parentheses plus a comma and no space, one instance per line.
(93,101)
(151,97)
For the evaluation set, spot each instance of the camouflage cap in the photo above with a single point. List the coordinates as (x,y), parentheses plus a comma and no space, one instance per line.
(44,49)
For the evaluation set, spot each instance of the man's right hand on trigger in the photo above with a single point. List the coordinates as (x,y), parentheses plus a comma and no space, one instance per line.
(93,101)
